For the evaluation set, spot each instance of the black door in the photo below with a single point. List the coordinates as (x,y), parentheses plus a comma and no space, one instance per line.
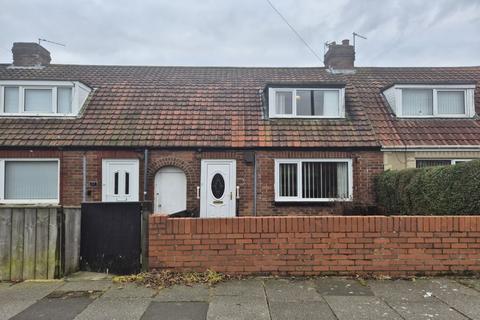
(111,237)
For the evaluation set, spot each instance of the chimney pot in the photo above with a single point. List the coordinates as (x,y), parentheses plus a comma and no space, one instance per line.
(340,56)
(30,54)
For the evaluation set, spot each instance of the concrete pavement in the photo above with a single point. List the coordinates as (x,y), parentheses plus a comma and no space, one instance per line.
(255,298)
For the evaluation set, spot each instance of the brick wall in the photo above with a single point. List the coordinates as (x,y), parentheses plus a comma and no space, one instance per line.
(396,246)
(366,164)
(71,170)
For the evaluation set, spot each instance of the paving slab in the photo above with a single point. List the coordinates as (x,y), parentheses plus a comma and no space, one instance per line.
(403,290)
(471,283)
(183,293)
(87,285)
(436,310)
(65,308)
(176,311)
(450,287)
(129,290)
(115,308)
(460,297)
(238,308)
(31,290)
(303,310)
(85,275)
(283,290)
(11,306)
(247,287)
(17,297)
(361,308)
(342,287)
(5,285)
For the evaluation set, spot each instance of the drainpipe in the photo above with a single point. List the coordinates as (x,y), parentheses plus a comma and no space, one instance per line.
(254,183)
(145,167)
(84,177)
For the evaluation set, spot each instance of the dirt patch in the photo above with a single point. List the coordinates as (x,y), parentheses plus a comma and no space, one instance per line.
(168,278)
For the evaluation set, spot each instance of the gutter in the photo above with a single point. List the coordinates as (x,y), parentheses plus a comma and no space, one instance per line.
(84,189)
(254,183)
(405,148)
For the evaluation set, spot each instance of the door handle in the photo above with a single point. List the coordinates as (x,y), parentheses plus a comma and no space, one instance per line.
(238,192)
(198,192)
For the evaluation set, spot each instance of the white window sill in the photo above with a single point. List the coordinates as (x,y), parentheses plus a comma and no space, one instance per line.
(307,117)
(461,116)
(49,115)
(30,202)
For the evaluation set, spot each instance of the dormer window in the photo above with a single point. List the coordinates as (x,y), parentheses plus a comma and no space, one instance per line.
(427,101)
(42,98)
(306,102)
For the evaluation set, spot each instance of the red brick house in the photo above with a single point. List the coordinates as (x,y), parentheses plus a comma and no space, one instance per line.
(217,141)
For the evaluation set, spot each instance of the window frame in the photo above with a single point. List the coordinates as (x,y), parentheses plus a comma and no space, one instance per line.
(452,160)
(272,99)
(27,201)
(468,100)
(23,85)
(22,98)
(299,197)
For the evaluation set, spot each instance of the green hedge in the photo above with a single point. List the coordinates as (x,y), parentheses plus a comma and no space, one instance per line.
(446,190)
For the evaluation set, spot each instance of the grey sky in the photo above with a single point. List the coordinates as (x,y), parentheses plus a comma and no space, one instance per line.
(245,32)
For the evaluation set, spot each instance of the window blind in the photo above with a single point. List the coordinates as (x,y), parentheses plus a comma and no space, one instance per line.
(283,102)
(31,180)
(417,102)
(38,100)
(451,102)
(10,99)
(64,100)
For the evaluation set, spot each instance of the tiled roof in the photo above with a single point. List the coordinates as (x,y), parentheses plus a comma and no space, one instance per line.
(391,131)
(182,107)
(135,106)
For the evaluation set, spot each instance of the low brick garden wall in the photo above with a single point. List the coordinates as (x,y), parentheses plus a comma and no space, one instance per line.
(341,245)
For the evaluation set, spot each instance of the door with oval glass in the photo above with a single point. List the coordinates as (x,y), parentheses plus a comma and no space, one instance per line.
(218,188)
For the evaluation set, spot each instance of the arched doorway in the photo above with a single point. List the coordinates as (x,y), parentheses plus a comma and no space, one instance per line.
(170,190)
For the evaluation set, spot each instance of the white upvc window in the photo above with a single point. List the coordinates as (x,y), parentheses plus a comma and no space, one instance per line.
(313,180)
(306,102)
(41,98)
(432,101)
(423,163)
(29,181)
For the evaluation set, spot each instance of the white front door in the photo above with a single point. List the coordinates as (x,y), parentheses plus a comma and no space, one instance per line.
(120,180)
(170,190)
(217,189)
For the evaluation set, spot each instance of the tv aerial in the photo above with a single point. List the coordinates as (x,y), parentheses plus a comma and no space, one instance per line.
(40,40)
(355,35)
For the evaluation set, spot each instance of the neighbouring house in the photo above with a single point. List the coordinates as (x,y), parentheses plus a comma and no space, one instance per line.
(225,141)
(425,116)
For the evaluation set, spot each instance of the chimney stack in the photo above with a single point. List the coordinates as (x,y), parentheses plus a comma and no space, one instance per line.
(30,55)
(340,57)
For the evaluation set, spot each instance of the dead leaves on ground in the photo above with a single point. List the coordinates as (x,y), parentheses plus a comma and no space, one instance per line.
(167,278)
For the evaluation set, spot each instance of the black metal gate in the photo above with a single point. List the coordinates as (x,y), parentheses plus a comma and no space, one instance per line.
(111,237)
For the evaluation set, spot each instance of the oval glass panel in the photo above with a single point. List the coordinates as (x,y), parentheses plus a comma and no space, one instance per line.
(218,186)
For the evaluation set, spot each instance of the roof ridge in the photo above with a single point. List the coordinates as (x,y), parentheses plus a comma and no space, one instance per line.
(252,67)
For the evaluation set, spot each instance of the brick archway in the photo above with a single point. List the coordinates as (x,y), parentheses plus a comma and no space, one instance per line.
(186,167)
(167,162)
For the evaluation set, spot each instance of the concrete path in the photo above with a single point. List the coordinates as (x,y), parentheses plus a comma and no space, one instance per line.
(257,298)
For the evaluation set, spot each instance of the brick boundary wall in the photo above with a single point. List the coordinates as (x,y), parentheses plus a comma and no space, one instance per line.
(340,245)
